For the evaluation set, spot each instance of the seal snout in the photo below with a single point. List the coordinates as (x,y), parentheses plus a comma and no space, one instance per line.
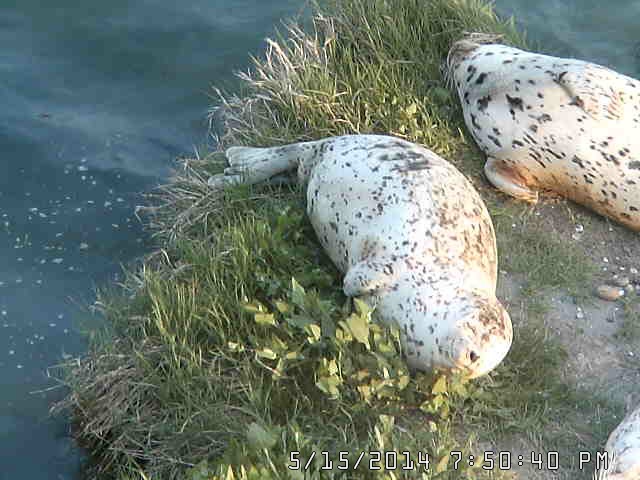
(486,340)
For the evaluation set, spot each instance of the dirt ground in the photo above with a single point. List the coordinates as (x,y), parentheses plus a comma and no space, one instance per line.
(599,356)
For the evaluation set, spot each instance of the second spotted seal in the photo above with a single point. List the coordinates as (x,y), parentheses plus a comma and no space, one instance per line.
(549,123)
(409,232)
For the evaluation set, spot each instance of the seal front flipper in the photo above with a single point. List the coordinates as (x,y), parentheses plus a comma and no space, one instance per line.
(507,179)
(368,277)
(595,89)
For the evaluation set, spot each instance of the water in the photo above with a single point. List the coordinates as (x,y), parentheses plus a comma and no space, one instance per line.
(604,32)
(98,98)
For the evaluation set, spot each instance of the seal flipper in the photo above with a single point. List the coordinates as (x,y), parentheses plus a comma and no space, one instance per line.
(368,277)
(508,180)
(592,88)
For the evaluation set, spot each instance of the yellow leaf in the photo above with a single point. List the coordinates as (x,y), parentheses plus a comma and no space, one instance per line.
(235,347)
(283,307)
(440,386)
(265,318)
(359,328)
(229,475)
(362,307)
(267,353)
(442,464)
(314,331)
(293,356)
(411,109)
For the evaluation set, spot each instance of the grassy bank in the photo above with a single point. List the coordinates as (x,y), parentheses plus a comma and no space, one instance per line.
(235,346)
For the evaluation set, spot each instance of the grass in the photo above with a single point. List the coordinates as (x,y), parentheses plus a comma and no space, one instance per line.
(234,345)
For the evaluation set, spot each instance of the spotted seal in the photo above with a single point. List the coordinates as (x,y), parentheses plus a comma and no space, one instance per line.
(548,123)
(410,234)
(623,450)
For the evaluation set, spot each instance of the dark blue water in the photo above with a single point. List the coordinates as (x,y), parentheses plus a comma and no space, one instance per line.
(604,32)
(97,99)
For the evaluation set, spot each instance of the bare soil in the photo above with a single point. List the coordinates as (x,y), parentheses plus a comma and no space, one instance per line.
(599,356)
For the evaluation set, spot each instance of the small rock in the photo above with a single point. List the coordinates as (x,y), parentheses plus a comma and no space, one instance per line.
(579,228)
(579,313)
(620,281)
(633,271)
(607,292)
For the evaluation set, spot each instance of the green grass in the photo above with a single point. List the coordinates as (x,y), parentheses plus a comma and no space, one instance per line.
(234,344)
(544,260)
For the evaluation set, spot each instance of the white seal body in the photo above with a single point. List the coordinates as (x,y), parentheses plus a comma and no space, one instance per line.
(549,123)
(411,235)
(623,450)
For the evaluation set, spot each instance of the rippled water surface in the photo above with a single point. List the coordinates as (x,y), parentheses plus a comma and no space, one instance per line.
(97,99)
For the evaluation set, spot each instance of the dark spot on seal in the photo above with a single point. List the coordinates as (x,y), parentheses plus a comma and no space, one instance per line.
(474,122)
(483,103)
(515,102)
(635,165)
(481,78)
(473,356)
(494,140)
(578,161)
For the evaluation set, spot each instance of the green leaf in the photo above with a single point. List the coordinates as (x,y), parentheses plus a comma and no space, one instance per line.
(259,437)
(362,307)
(283,307)
(297,293)
(265,318)
(359,328)
(403,381)
(329,385)
(300,321)
(253,307)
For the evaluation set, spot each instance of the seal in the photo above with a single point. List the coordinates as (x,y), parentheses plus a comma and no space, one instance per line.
(548,123)
(623,450)
(410,234)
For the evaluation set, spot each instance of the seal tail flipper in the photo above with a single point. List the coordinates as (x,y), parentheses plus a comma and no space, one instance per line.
(507,180)
(251,165)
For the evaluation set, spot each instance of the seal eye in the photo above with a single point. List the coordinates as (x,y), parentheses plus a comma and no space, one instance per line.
(473,356)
